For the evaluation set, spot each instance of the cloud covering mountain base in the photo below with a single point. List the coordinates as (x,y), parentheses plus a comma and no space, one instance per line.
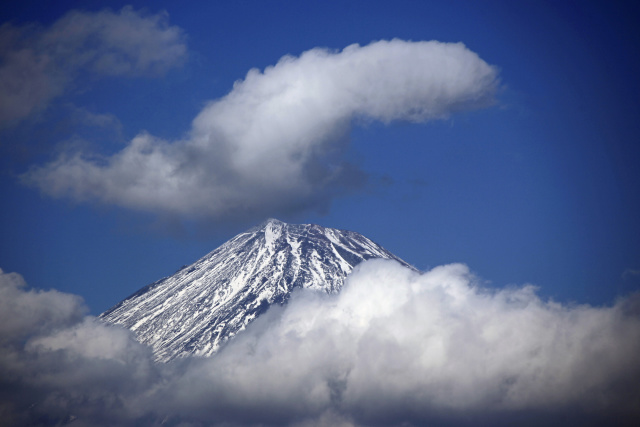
(395,347)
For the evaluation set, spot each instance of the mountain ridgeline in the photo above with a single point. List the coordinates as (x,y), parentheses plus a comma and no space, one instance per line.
(200,307)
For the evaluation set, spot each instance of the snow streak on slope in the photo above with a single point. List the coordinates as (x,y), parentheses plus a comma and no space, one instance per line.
(200,307)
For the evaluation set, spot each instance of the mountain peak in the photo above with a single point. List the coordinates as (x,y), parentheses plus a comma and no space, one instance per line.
(273,222)
(200,307)
(270,223)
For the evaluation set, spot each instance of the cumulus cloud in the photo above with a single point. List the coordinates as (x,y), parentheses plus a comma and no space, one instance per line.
(275,143)
(38,64)
(398,346)
(56,365)
(395,347)
(24,313)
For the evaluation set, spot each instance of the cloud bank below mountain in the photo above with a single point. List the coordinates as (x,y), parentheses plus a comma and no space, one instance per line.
(394,347)
(275,143)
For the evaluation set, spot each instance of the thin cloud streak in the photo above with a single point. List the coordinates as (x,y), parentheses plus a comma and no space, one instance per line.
(275,144)
(39,64)
(394,347)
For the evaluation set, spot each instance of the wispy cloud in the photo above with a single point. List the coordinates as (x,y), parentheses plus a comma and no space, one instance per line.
(275,143)
(631,274)
(394,347)
(38,64)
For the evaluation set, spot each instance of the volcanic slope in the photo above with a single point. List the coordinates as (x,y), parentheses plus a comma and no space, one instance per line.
(200,307)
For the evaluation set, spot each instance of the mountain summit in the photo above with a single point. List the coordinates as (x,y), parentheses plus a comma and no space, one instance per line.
(204,304)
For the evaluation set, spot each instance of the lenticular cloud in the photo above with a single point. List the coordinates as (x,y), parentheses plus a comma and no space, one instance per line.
(274,144)
(395,347)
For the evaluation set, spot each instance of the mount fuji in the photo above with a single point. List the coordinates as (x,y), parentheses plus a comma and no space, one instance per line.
(203,305)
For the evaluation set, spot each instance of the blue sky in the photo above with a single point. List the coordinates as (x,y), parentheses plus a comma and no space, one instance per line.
(541,187)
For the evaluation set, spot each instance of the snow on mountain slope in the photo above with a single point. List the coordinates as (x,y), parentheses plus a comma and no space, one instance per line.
(204,304)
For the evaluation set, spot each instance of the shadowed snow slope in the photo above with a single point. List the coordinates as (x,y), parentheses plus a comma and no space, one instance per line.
(197,309)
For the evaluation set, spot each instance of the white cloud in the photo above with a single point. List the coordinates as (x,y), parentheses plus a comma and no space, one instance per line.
(399,346)
(274,144)
(394,348)
(39,63)
(25,313)
(57,364)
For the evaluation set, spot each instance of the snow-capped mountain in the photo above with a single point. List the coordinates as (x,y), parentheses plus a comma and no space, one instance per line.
(204,304)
